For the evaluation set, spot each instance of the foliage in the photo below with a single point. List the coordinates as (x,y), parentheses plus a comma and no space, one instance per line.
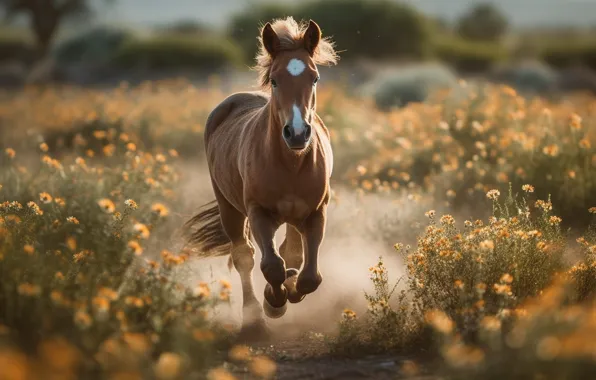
(410,84)
(468,56)
(178,51)
(397,30)
(531,78)
(484,22)
(570,53)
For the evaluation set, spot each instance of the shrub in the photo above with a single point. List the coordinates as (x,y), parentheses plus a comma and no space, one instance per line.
(527,77)
(182,51)
(570,53)
(95,46)
(468,56)
(397,31)
(483,22)
(72,235)
(410,84)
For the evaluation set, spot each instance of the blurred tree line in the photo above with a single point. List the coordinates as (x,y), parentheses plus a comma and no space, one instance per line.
(374,29)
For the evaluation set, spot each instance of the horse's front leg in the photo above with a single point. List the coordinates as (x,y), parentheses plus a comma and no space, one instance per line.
(313,232)
(263,226)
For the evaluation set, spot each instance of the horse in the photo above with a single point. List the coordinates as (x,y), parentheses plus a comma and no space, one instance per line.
(270,161)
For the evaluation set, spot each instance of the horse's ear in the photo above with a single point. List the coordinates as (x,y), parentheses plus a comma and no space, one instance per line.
(312,36)
(270,40)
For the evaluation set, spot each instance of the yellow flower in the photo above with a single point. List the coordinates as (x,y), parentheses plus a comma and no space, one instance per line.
(528,188)
(142,230)
(160,209)
(27,289)
(35,208)
(440,321)
(82,319)
(136,247)
(240,353)
(554,220)
(458,284)
(45,197)
(131,204)
(131,147)
(168,366)
(59,201)
(29,249)
(262,366)
(106,205)
(71,243)
(348,315)
(44,147)
(10,153)
(592,210)
(72,219)
(173,153)
(225,284)
(109,150)
(507,278)
(493,194)
(219,374)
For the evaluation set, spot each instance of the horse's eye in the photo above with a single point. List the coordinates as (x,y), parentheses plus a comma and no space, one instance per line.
(273,83)
(316,80)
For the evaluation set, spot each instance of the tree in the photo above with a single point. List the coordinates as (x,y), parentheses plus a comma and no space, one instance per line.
(484,22)
(45,16)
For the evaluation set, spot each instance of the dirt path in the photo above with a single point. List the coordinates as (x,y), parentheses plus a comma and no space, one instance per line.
(308,357)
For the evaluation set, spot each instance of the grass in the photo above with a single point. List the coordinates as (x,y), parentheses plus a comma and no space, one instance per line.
(91,198)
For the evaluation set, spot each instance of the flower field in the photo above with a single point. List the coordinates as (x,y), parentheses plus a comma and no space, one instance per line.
(499,283)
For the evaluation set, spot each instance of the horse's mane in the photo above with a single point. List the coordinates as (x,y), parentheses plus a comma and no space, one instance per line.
(290,34)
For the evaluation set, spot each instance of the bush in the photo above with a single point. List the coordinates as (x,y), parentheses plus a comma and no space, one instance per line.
(528,77)
(400,87)
(483,22)
(95,46)
(360,28)
(468,56)
(569,53)
(174,52)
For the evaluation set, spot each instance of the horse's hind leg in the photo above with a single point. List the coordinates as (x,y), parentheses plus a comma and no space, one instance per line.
(243,258)
(293,254)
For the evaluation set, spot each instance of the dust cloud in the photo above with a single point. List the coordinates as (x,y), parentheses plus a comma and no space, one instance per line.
(353,242)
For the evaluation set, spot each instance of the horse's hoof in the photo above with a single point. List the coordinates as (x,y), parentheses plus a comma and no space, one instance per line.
(276,300)
(306,285)
(255,332)
(290,284)
(274,312)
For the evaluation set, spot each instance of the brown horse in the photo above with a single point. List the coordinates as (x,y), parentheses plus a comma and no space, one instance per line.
(270,161)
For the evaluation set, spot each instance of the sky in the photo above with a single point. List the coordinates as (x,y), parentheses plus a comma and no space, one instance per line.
(520,13)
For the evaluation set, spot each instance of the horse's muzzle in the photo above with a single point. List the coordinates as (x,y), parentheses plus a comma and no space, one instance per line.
(294,141)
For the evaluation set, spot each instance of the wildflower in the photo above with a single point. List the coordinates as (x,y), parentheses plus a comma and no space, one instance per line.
(160,158)
(551,150)
(592,210)
(468,224)
(361,170)
(173,153)
(27,289)
(458,284)
(575,121)
(160,209)
(490,323)
(10,153)
(168,366)
(430,214)
(219,374)
(131,204)
(507,278)
(545,206)
(101,304)
(487,245)
(225,284)
(72,220)
(142,230)
(100,134)
(60,201)
(71,243)
(131,147)
(585,143)
(554,220)
(135,247)
(481,287)
(28,249)
(262,367)
(239,353)
(108,150)
(35,208)
(106,205)
(493,194)
(43,147)
(528,188)
(203,335)
(202,290)
(447,220)
(348,315)
(440,321)
(45,197)
(502,289)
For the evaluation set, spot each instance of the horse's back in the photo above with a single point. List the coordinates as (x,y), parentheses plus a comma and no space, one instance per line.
(234,107)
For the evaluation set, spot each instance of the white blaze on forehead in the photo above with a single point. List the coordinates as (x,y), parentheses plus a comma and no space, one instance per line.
(297,122)
(296,67)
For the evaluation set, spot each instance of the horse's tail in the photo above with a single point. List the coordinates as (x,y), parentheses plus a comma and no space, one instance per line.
(209,236)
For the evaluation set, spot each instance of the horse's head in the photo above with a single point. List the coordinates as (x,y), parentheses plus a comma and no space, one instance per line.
(293,77)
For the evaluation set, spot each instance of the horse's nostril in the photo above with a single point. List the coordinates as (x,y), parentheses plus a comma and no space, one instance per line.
(307,132)
(287,133)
